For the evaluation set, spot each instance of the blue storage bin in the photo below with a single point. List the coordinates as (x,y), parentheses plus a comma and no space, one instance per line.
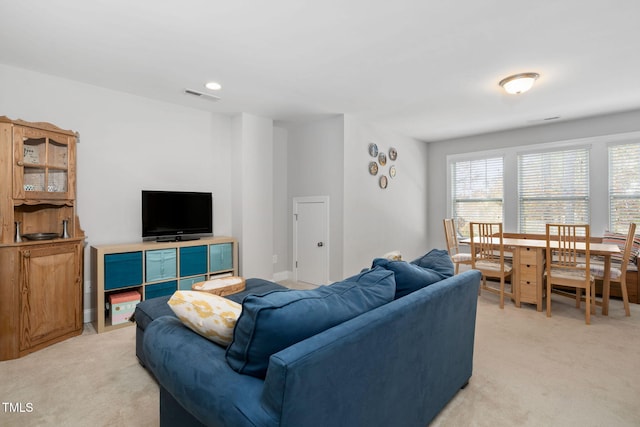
(161,264)
(221,257)
(122,270)
(160,289)
(185,284)
(193,260)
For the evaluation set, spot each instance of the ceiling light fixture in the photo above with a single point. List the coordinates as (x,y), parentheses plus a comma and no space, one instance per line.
(213,86)
(518,83)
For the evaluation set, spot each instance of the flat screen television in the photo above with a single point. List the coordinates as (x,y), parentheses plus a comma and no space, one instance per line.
(176,215)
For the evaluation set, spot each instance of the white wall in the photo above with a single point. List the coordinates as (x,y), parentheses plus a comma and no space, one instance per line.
(252,158)
(329,157)
(377,221)
(584,129)
(315,167)
(127,144)
(281,236)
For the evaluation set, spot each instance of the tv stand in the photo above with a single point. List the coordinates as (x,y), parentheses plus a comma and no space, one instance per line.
(177,239)
(154,269)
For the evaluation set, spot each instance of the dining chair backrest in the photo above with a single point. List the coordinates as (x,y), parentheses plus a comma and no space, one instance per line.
(622,279)
(451,236)
(568,264)
(487,242)
(628,246)
(487,255)
(568,247)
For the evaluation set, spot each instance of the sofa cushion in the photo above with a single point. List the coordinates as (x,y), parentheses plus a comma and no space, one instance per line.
(209,315)
(432,267)
(437,260)
(409,277)
(277,320)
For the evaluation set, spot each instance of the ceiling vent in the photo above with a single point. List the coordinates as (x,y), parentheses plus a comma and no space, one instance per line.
(201,95)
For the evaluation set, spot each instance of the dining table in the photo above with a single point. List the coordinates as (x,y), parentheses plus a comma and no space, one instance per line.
(529,263)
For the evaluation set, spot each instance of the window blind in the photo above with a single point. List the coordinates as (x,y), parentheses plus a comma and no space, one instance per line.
(624,186)
(553,187)
(477,192)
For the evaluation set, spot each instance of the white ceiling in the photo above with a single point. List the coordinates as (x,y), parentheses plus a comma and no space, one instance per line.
(425,68)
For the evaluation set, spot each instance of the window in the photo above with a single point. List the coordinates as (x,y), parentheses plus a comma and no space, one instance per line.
(553,187)
(477,192)
(624,186)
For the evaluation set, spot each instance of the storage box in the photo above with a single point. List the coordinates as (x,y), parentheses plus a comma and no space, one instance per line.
(122,306)
(160,289)
(122,269)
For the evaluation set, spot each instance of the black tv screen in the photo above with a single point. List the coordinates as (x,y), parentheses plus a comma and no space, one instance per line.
(176,213)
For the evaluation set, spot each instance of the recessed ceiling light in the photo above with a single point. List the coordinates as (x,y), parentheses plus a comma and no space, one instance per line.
(518,83)
(213,86)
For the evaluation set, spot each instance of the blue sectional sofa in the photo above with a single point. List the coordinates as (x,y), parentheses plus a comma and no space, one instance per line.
(397,364)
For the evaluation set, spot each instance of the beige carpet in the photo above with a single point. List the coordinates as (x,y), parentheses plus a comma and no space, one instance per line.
(528,371)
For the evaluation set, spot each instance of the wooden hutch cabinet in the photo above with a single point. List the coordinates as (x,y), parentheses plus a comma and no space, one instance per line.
(41,242)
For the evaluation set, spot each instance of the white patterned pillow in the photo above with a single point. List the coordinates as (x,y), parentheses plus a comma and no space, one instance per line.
(209,315)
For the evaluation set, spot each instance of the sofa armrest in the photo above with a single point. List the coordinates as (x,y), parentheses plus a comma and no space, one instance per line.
(194,371)
(416,352)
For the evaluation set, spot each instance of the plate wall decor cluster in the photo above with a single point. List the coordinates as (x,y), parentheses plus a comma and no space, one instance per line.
(381,158)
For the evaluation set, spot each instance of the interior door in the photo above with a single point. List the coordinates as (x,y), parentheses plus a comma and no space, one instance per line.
(311,240)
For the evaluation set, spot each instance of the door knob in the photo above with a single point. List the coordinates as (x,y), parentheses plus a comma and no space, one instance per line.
(320,244)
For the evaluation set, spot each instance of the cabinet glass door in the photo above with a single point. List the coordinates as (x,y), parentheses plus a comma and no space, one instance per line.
(57,167)
(41,165)
(34,160)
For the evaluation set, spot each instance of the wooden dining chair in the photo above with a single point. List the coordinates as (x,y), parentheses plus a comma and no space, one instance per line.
(568,264)
(487,255)
(453,248)
(617,274)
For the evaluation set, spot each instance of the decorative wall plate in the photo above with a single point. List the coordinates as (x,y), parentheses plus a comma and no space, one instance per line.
(373,168)
(382,159)
(393,153)
(392,171)
(373,150)
(383,181)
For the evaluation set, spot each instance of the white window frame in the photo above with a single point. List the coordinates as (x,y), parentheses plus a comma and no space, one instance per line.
(632,191)
(450,192)
(554,217)
(598,179)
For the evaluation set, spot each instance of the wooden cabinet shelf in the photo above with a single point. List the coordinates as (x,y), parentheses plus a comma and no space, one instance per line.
(41,287)
(155,269)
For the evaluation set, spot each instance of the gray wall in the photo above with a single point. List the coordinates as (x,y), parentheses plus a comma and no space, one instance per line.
(315,168)
(378,221)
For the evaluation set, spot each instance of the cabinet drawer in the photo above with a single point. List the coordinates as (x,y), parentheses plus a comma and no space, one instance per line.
(528,292)
(193,260)
(160,289)
(528,273)
(528,255)
(185,284)
(221,257)
(123,269)
(161,264)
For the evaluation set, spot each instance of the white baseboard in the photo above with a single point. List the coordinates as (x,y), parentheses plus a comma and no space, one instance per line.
(89,315)
(282,275)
